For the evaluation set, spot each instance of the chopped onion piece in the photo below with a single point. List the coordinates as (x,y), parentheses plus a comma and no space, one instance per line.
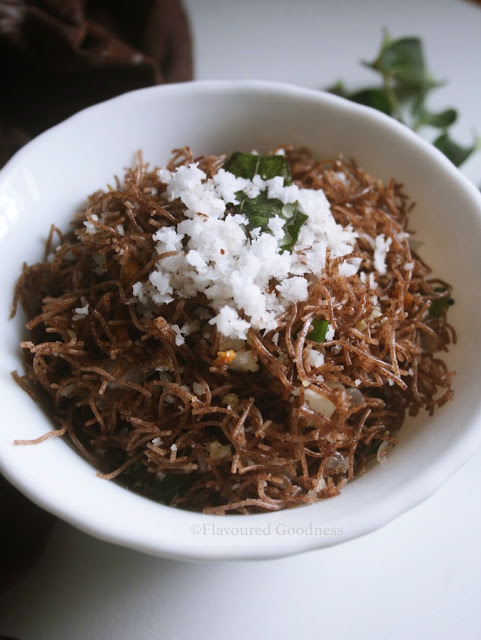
(318,402)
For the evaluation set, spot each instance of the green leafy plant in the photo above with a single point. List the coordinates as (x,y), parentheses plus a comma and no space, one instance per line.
(402,93)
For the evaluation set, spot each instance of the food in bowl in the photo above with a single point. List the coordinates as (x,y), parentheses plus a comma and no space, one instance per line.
(237,334)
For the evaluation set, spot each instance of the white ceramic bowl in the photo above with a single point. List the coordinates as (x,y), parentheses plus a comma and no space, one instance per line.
(47,180)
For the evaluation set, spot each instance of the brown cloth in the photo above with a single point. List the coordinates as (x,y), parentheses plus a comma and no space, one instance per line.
(24,530)
(57,57)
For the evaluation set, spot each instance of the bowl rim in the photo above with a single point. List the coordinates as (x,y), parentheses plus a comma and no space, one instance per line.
(384,510)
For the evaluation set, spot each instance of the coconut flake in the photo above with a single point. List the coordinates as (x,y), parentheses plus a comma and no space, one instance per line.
(233,268)
(380,253)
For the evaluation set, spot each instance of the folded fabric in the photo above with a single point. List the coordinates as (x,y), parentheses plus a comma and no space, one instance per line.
(59,56)
(24,530)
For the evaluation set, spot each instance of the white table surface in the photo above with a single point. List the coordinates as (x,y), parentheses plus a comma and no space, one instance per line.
(418,577)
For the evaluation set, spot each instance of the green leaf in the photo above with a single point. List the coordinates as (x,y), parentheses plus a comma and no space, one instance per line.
(338,89)
(292,228)
(455,152)
(373,97)
(439,120)
(248,165)
(318,331)
(261,209)
(403,61)
(440,304)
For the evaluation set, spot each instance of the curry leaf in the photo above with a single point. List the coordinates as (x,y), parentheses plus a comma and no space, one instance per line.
(439,120)
(292,228)
(261,209)
(338,89)
(247,165)
(403,61)
(373,97)
(440,304)
(455,152)
(319,330)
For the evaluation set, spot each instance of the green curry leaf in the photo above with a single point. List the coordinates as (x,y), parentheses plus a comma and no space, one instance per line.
(438,305)
(247,165)
(261,209)
(319,330)
(373,97)
(402,61)
(292,227)
(455,152)
(258,210)
(439,120)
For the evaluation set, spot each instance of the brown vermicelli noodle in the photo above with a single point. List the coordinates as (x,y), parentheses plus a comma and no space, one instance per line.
(172,420)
